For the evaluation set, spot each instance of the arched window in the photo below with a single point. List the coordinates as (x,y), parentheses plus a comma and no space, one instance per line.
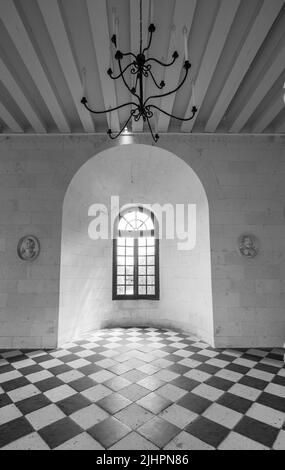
(135,255)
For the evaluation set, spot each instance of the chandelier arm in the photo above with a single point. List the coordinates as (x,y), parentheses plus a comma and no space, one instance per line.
(155,137)
(124,54)
(154,80)
(149,42)
(162,63)
(123,71)
(124,80)
(123,127)
(106,111)
(174,90)
(194,111)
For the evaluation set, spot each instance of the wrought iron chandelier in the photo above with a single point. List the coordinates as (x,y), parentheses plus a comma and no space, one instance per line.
(141,67)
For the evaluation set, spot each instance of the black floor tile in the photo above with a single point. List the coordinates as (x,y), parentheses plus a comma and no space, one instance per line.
(257,431)
(273,401)
(253,382)
(72,404)
(185,383)
(207,431)
(48,384)
(60,432)
(13,384)
(237,368)
(13,430)
(33,403)
(5,400)
(194,403)
(82,384)
(239,404)
(109,431)
(219,382)
(159,431)
(89,369)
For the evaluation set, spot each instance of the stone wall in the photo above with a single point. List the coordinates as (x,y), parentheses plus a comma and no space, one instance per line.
(244,178)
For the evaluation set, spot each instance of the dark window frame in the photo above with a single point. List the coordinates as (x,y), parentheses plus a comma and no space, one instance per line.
(136,295)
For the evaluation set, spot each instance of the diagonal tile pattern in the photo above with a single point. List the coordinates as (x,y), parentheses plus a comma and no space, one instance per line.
(142,389)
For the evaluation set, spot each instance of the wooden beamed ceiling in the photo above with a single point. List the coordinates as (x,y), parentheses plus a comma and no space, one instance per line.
(54,51)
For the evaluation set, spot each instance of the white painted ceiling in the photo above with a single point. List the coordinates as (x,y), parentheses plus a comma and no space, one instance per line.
(236,47)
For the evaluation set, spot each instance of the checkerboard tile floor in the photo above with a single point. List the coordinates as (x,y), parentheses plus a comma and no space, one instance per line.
(142,389)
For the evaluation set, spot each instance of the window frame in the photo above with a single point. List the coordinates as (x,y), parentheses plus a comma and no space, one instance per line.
(136,295)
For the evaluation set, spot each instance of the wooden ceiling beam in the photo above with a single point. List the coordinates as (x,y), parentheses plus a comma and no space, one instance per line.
(183,17)
(260,92)
(25,48)
(101,42)
(257,34)
(7,117)
(54,22)
(17,94)
(223,22)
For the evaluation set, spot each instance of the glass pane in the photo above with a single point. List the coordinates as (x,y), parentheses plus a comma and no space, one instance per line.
(130,241)
(130,251)
(150,260)
(142,270)
(150,270)
(121,241)
(149,224)
(130,270)
(120,290)
(150,279)
(129,280)
(121,280)
(142,261)
(142,280)
(120,270)
(129,290)
(142,290)
(121,260)
(150,241)
(142,241)
(150,250)
(150,290)
(121,250)
(129,260)
(142,251)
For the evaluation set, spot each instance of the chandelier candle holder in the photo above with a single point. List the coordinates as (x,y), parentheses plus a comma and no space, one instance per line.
(140,68)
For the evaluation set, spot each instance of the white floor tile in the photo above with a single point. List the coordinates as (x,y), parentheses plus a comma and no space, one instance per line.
(23,392)
(266,415)
(8,413)
(178,415)
(171,392)
(96,393)
(185,441)
(81,442)
(235,441)
(30,442)
(275,389)
(38,376)
(208,392)
(222,415)
(89,416)
(279,444)
(59,393)
(135,442)
(45,416)
(244,391)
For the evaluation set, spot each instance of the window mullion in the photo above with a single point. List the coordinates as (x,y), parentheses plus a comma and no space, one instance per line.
(136,262)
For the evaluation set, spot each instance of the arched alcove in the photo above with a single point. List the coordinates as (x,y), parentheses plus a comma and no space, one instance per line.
(145,175)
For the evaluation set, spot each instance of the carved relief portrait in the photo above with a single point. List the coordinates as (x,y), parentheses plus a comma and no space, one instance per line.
(248,246)
(28,248)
